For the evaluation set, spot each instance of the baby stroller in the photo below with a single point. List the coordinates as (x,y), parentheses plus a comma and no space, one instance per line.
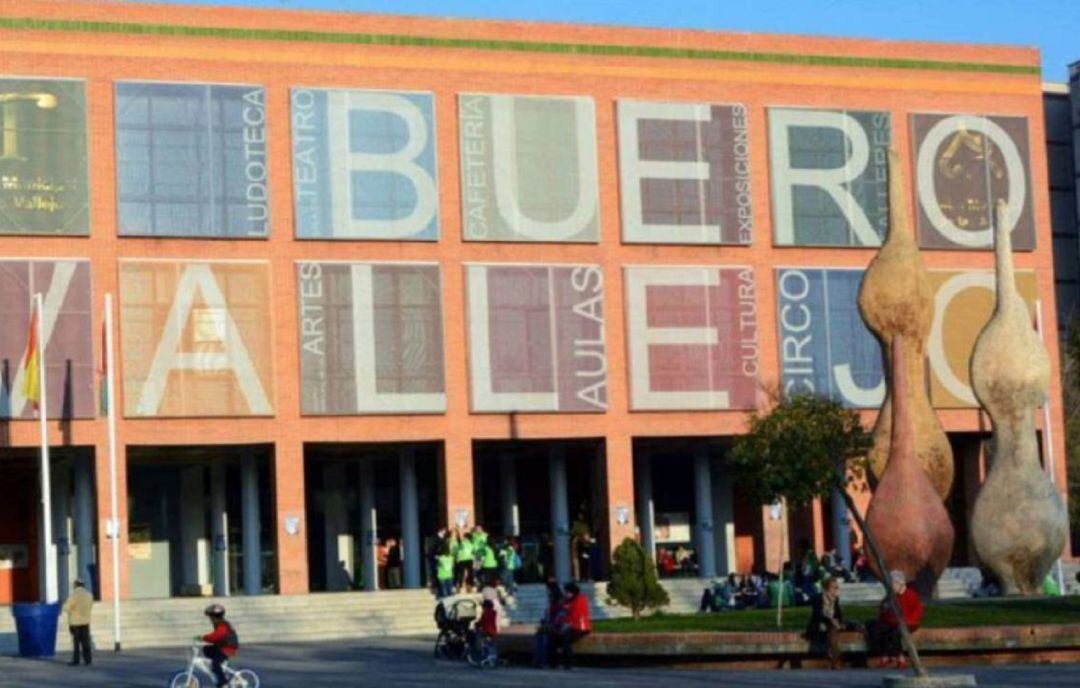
(454,619)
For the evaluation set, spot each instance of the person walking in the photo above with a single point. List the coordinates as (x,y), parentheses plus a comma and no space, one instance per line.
(78,607)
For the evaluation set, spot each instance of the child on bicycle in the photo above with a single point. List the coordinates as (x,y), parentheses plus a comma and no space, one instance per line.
(222,642)
(487,627)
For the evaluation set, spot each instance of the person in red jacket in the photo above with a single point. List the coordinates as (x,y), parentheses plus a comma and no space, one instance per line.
(574,625)
(221,643)
(487,627)
(884,632)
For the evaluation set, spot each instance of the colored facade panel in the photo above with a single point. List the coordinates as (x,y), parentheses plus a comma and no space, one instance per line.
(44,186)
(685,173)
(191,160)
(825,348)
(371,338)
(69,362)
(829,173)
(964,165)
(536,338)
(528,168)
(364,165)
(692,338)
(196,338)
(963,304)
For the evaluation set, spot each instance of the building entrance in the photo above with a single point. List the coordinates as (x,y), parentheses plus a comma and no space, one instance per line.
(201,521)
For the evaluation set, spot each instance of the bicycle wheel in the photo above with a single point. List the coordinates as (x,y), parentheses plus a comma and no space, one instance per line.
(180,680)
(475,655)
(245,678)
(442,646)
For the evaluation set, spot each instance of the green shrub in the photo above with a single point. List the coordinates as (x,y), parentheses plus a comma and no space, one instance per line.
(633,580)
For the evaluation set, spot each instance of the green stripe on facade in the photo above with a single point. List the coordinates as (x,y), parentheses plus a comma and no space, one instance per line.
(234,33)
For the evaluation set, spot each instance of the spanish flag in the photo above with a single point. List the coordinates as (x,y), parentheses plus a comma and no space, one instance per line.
(31,378)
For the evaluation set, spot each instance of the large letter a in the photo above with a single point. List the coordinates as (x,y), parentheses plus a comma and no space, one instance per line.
(197,279)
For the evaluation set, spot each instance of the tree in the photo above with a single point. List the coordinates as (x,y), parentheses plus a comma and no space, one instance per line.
(804,448)
(633,581)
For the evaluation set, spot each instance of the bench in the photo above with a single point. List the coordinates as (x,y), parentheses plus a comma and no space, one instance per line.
(994,644)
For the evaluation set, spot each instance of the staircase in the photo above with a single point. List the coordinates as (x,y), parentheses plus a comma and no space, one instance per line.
(324,616)
(264,619)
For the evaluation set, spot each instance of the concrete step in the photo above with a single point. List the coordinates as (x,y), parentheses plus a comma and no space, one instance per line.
(286,618)
(324,616)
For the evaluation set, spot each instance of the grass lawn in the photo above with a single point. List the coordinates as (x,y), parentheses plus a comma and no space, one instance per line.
(953,614)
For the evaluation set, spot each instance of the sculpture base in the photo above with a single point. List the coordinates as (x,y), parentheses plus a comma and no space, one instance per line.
(936,681)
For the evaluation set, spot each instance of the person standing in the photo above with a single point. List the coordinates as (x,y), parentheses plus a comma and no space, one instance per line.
(444,573)
(463,563)
(508,558)
(78,607)
(489,563)
(393,564)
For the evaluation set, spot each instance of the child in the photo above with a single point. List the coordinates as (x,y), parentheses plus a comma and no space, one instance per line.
(487,627)
(222,642)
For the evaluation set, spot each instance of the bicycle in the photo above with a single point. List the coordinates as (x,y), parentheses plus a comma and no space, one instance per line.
(198,664)
(480,652)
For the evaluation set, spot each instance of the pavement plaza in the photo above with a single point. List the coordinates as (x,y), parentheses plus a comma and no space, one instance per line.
(405,662)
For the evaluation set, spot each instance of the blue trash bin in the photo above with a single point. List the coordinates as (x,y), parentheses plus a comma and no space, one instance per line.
(35,624)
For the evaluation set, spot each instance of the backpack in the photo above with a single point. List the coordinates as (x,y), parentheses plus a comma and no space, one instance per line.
(231,638)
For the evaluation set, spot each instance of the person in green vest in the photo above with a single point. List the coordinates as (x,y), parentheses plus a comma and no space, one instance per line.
(479,538)
(444,572)
(508,563)
(464,560)
(489,563)
(1050,586)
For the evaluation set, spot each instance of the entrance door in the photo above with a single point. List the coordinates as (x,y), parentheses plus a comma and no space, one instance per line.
(18,533)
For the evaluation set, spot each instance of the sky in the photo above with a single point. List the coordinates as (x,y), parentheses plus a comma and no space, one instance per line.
(1051,25)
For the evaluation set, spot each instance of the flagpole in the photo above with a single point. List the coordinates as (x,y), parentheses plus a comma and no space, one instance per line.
(114,518)
(51,592)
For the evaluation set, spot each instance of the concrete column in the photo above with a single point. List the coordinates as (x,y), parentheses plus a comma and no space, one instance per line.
(410,520)
(61,517)
(841,524)
(193,544)
(560,512)
(645,507)
(337,543)
(724,520)
(84,521)
(219,529)
(369,526)
(508,484)
(704,542)
(252,520)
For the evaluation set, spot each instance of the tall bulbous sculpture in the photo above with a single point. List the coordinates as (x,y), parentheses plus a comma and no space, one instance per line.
(906,514)
(895,300)
(1019,523)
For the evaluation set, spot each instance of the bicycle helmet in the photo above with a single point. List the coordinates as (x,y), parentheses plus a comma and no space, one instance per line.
(214,610)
